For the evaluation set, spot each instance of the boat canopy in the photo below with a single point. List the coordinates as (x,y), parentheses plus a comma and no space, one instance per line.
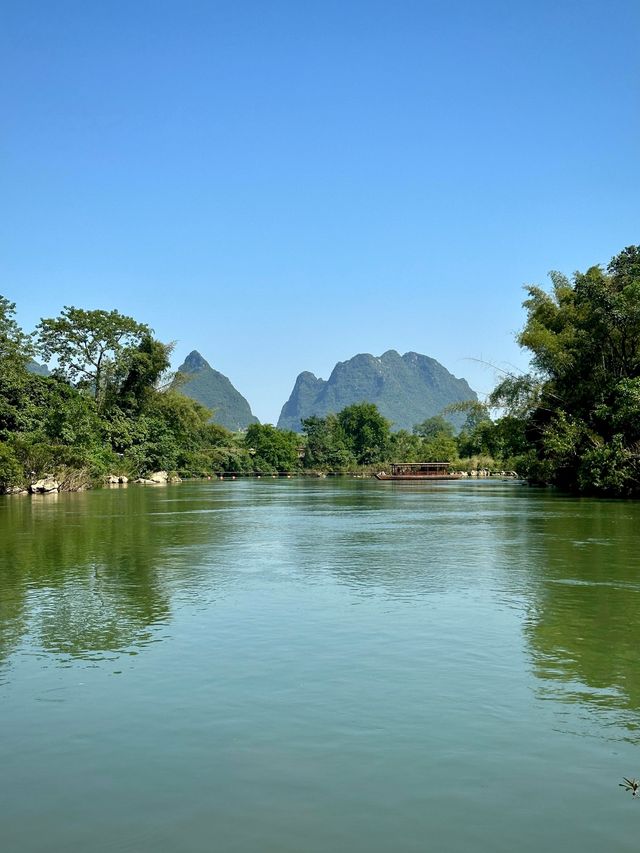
(420,468)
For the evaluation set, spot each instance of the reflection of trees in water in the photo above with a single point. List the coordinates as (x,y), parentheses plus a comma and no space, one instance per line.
(583,629)
(89,573)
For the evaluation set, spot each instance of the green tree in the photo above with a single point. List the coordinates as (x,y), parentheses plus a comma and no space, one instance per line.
(15,346)
(404,446)
(142,368)
(581,402)
(440,448)
(437,425)
(326,447)
(273,449)
(366,432)
(89,345)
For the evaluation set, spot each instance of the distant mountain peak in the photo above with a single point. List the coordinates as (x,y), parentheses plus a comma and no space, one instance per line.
(194,362)
(37,368)
(215,391)
(406,388)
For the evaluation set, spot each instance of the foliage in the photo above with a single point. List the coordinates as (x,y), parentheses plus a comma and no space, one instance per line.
(273,450)
(405,446)
(105,410)
(432,427)
(326,444)
(89,346)
(367,433)
(440,448)
(15,346)
(11,473)
(141,370)
(574,420)
(580,406)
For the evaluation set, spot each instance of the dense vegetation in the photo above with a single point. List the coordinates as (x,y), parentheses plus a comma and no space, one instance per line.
(107,408)
(110,406)
(579,407)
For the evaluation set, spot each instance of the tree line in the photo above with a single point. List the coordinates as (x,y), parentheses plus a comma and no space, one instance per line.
(111,406)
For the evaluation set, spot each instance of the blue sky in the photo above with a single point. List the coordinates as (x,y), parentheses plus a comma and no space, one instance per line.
(281,185)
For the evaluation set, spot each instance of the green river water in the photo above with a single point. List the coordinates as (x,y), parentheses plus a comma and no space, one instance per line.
(319,665)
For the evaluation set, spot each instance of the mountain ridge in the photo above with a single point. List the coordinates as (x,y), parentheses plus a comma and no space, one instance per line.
(406,388)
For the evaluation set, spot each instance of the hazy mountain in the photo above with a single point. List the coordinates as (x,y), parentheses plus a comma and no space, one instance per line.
(38,369)
(407,389)
(215,391)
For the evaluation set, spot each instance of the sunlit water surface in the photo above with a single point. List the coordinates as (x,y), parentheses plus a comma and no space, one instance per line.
(318,665)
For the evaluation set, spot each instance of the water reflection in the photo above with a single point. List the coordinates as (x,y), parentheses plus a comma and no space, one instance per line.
(97,575)
(583,607)
(92,574)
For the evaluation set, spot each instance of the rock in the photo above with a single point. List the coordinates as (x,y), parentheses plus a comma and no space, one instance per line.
(159,477)
(117,479)
(16,490)
(146,482)
(45,485)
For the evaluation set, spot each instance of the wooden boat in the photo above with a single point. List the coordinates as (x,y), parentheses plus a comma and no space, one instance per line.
(413,471)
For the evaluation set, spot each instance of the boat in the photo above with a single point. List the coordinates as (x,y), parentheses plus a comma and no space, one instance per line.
(413,471)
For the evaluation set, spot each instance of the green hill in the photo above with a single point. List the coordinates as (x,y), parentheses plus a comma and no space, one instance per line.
(201,382)
(407,389)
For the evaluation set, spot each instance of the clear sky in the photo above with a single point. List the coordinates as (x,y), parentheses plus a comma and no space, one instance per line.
(282,184)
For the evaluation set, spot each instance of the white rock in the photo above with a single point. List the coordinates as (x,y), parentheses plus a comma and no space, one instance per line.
(45,485)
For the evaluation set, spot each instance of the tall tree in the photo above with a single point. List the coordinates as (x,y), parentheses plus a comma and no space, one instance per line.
(15,346)
(582,400)
(273,449)
(143,368)
(326,446)
(437,425)
(88,345)
(366,432)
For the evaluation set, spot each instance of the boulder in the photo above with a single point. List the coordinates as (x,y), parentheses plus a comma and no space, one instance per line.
(146,482)
(45,485)
(175,479)
(116,479)
(159,477)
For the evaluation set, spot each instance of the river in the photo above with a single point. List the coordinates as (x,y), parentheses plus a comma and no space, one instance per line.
(318,665)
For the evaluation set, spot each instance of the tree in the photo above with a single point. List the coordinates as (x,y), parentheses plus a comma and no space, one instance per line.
(366,432)
(581,402)
(15,346)
(437,425)
(440,448)
(273,450)
(405,446)
(143,367)
(16,383)
(89,345)
(326,447)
